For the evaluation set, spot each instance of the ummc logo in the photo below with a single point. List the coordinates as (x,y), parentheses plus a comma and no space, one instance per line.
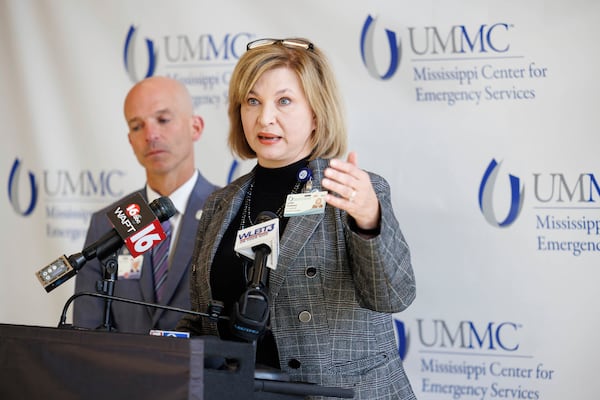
(129,56)
(232,175)
(550,191)
(177,50)
(559,189)
(440,335)
(14,187)
(467,335)
(59,184)
(367,50)
(486,196)
(488,39)
(403,338)
(453,42)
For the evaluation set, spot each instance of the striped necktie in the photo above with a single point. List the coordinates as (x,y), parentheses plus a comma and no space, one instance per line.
(160,261)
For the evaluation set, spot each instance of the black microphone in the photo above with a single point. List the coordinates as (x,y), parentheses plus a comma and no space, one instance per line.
(260,272)
(63,268)
(251,313)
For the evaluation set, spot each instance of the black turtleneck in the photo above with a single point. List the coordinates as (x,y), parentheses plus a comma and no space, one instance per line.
(228,273)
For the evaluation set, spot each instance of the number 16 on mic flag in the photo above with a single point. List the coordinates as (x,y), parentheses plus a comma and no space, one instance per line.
(137,225)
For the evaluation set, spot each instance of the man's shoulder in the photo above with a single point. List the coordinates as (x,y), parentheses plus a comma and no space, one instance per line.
(203,187)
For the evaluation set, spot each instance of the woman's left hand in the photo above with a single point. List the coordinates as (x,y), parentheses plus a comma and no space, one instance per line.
(355,193)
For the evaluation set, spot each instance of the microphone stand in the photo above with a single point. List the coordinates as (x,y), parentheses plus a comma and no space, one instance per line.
(63,317)
(107,286)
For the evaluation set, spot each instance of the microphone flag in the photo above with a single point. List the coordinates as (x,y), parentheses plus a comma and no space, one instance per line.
(136,224)
(266,233)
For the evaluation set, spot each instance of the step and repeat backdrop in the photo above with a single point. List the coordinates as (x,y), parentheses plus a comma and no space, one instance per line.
(483,116)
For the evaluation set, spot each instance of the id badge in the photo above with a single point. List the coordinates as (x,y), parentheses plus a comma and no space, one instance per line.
(305,204)
(130,267)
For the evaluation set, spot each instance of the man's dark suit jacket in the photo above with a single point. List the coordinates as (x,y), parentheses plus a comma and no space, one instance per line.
(88,312)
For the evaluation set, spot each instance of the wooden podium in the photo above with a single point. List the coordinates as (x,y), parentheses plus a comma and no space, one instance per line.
(44,362)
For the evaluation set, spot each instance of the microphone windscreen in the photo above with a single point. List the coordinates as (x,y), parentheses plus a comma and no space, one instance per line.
(264,216)
(163,208)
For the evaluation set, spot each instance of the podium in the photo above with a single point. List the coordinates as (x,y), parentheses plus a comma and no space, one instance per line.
(44,362)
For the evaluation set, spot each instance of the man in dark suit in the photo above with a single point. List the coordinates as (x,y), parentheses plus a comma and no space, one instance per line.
(162,132)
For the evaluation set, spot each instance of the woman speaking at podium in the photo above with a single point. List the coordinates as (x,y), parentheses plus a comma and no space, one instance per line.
(343,269)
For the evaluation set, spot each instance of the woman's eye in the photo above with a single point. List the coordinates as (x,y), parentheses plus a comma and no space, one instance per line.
(285,101)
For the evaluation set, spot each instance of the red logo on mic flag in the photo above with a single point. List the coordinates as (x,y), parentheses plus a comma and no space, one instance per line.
(136,224)
(145,239)
(133,209)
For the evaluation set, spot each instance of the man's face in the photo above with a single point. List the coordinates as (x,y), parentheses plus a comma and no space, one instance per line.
(162,128)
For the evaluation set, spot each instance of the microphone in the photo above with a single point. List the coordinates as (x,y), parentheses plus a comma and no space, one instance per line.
(266,232)
(262,250)
(141,240)
(251,313)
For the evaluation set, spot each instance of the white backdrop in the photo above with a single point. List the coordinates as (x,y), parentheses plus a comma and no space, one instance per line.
(505,306)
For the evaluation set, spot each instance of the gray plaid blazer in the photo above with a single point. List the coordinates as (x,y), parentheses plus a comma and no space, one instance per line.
(332,295)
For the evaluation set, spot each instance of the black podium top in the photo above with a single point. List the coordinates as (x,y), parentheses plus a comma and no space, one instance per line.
(44,362)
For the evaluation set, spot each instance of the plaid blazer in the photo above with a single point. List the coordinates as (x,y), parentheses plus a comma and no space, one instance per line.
(331,297)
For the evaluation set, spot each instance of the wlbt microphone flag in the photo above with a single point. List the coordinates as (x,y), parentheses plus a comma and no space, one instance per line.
(259,242)
(266,232)
(136,224)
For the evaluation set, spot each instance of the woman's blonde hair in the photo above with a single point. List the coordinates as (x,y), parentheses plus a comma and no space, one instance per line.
(329,140)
